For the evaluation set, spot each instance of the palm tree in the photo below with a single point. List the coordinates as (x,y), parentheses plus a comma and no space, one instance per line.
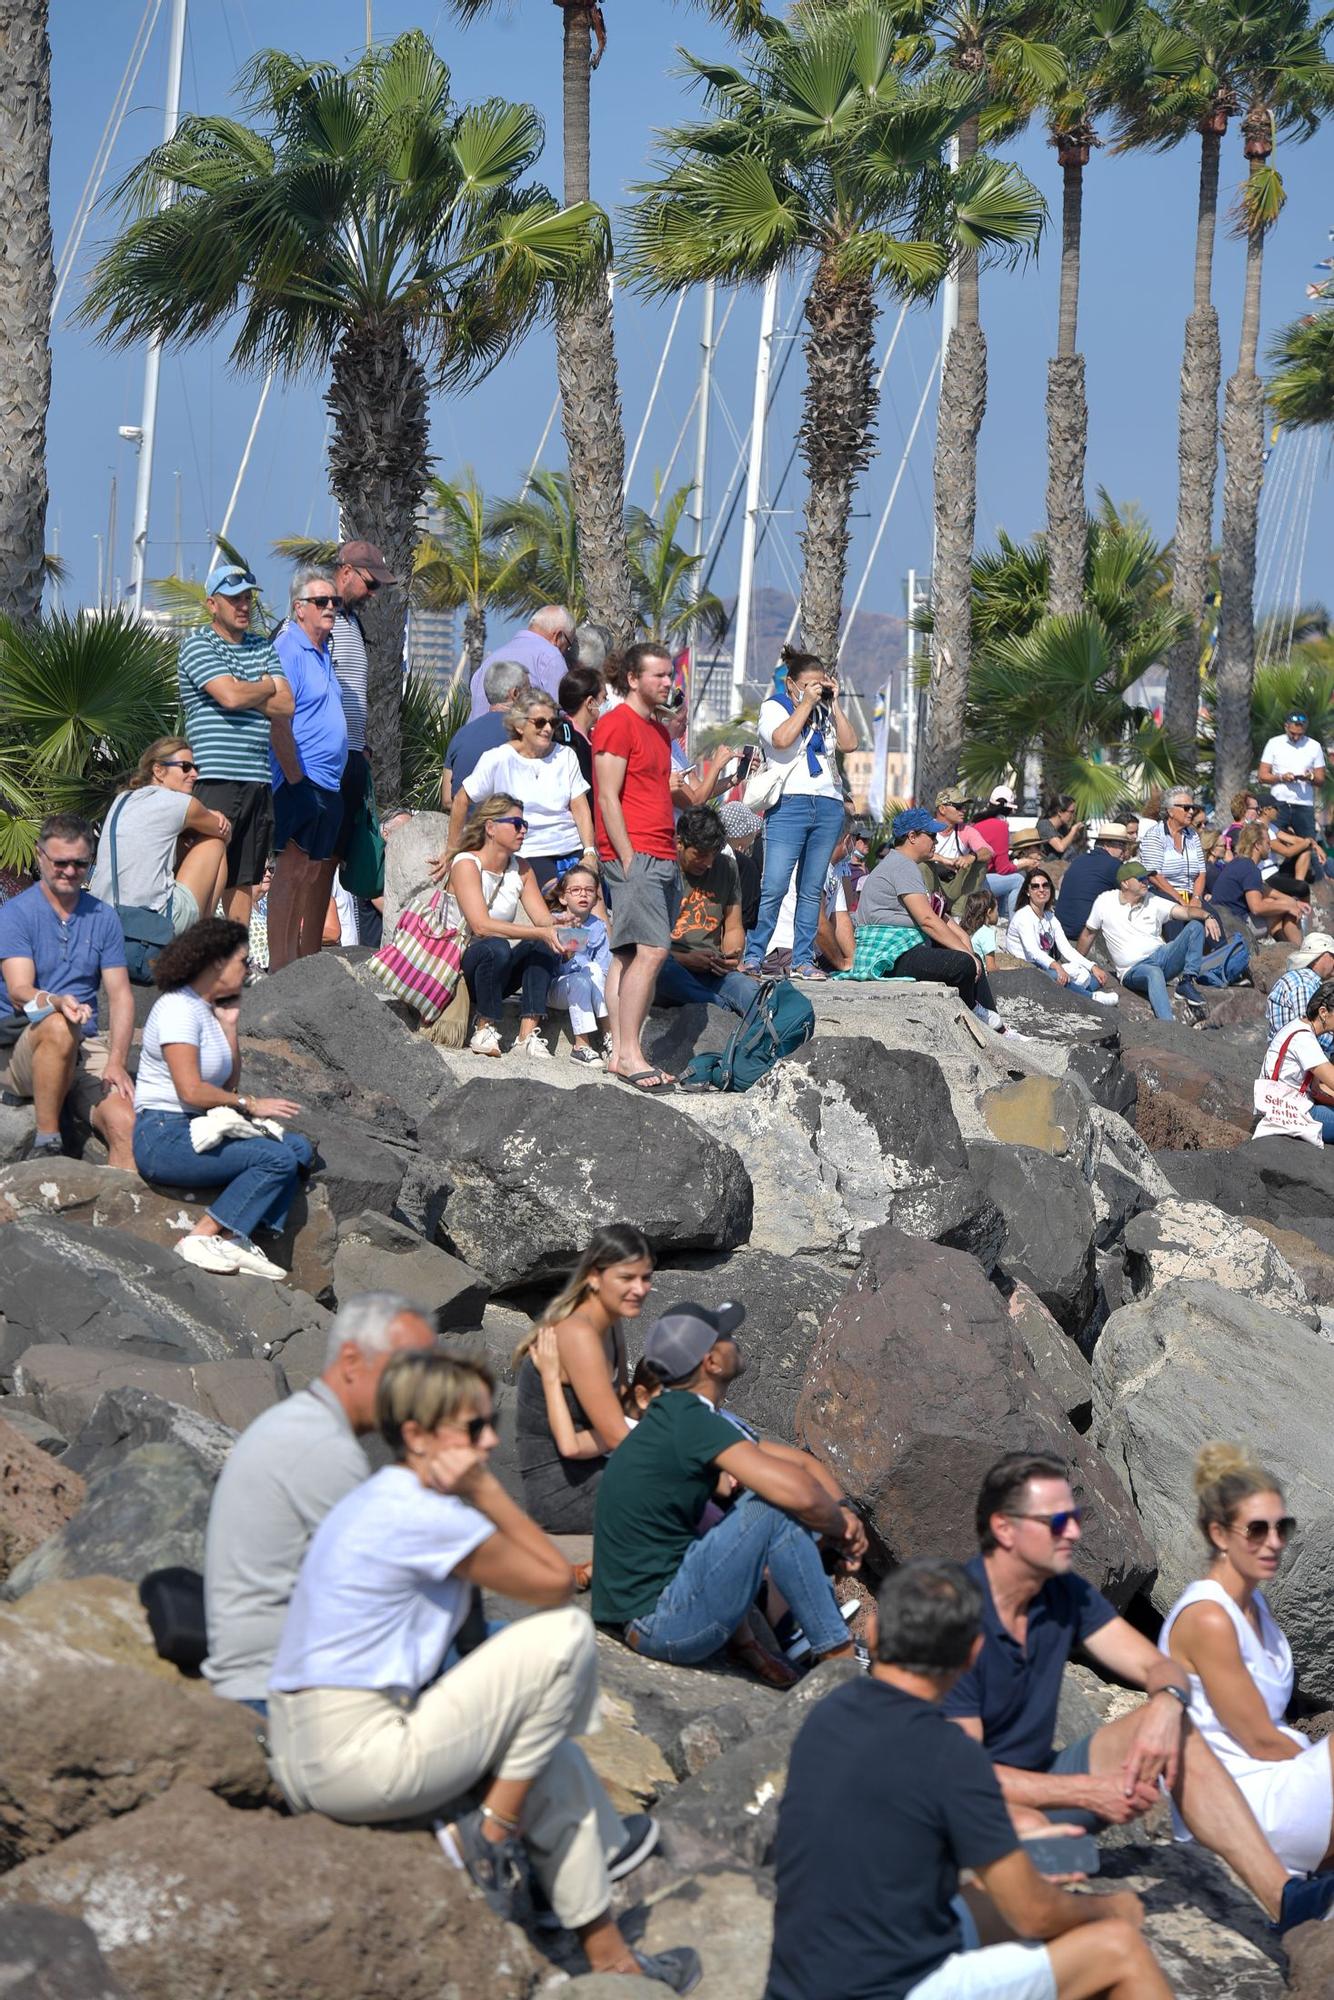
(988,42)
(25,305)
(824,148)
(1301,391)
(367,225)
(1092,46)
(542,530)
(585,346)
(665,577)
(1285,82)
(464,565)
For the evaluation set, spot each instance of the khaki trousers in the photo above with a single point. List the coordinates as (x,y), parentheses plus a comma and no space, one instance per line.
(506,1711)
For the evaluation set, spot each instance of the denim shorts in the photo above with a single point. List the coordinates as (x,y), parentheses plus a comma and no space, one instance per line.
(309,816)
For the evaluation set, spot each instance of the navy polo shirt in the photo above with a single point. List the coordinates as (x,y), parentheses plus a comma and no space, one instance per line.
(1013,1689)
(1082,884)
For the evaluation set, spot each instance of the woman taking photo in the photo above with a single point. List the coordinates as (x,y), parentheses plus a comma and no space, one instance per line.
(488,887)
(802,724)
(170,852)
(365,1726)
(190,1064)
(1223,1633)
(609,1284)
(545,778)
(1036,935)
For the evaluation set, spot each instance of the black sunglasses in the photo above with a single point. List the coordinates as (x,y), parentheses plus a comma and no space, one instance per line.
(477,1427)
(72,867)
(179,764)
(1258,1532)
(372,583)
(1058,1522)
(323,603)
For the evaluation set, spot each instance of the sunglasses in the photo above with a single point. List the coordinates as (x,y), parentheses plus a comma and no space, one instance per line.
(179,764)
(477,1427)
(323,603)
(235,576)
(543,722)
(372,583)
(511,819)
(1258,1532)
(1058,1522)
(66,867)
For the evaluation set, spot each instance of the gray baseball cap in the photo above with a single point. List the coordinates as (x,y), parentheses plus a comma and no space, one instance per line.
(679,1341)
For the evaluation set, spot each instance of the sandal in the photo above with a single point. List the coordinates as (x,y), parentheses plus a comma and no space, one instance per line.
(646,1080)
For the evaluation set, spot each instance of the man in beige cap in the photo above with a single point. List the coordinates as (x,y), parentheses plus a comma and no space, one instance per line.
(359,571)
(1312,962)
(962,857)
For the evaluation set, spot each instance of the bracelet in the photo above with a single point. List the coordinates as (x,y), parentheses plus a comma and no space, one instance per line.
(1178,1694)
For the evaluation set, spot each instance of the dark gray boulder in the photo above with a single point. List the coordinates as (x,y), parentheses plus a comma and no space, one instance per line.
(1099,1064)
(146,1511)
(45,1955)
(786,1301)
(124,1419)
(1049,1227)
(64,1282)
(377,1254)
(919,1381)
(536,1170)
(1284,1181)
(66,1384)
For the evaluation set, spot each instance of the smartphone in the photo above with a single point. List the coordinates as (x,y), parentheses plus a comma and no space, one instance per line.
(1064,1854)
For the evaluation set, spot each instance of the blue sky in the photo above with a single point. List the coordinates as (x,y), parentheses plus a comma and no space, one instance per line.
(1138,238)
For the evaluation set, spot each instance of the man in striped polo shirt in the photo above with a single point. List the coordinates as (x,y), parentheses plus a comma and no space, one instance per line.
(231,686)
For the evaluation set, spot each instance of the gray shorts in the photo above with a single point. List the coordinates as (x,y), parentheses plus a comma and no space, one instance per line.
(184,908)
(644,902)
(1073,1762)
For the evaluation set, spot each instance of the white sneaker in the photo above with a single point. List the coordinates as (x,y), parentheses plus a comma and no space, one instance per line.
(251,1259)
(1102,998)
(209,1253)
(485,1041)
(533,1045)
(988,1016)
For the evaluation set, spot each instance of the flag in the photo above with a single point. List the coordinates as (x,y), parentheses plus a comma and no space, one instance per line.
(875,797)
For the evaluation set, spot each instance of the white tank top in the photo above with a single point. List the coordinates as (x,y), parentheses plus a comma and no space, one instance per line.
(1267,1659)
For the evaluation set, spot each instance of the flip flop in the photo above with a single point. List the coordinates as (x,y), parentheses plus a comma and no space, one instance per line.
(646,1080)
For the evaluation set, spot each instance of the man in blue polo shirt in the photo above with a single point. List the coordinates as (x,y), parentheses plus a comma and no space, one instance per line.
(1035,1613)
(58,945)
(308,753)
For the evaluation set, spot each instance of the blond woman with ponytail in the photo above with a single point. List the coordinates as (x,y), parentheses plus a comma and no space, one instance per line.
(1222,1632)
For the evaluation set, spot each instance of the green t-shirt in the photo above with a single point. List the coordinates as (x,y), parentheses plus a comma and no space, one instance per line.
(650,1498)
(228,742)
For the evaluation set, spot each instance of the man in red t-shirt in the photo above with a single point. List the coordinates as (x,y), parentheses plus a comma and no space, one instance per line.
(636,836)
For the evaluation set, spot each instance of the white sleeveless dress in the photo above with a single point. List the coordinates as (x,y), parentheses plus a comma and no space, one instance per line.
(1292,1800)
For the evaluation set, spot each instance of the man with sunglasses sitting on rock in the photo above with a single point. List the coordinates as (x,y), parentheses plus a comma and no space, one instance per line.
(1035,1613)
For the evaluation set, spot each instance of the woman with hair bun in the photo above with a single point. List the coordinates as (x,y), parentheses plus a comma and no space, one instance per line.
(170,851)
(1223,1633)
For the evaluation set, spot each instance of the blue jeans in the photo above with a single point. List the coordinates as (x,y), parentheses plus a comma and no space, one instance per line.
(800,833)
(258,1176)
(1184,957)
(678,986)
(719,1576)
(1005,888)
(1078,982)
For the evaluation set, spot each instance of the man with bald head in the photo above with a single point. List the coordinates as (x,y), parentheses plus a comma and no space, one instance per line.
(544,649)
(282,1476)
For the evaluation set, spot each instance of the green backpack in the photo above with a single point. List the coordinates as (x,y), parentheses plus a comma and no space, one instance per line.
(777,1022)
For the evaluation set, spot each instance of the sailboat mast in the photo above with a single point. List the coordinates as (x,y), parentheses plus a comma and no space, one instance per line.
(143,492)
(746,580)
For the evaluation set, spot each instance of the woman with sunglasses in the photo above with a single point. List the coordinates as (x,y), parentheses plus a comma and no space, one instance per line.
(189,1065)
(372,1715)
(1035,934)
(1223,1633)
(544,775)
(489,886)
(171,852)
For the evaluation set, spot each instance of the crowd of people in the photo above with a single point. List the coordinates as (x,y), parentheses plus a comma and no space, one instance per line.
(344,1610)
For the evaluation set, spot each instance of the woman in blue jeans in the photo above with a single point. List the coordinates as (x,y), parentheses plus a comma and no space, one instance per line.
(190,1066)
(801,725)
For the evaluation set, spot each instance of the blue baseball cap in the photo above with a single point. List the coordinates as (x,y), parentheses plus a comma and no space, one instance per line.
(916,819)
(229,580)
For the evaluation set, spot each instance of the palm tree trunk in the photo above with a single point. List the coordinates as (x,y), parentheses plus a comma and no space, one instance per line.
(1197,462)
(1243,471)
(1067,417)
(474,638)
(27,282)
(586,371)
(836,435)
(379,467)
(959,412)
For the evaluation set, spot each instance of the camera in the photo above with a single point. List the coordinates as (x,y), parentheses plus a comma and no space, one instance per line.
(826,691)
(674,699)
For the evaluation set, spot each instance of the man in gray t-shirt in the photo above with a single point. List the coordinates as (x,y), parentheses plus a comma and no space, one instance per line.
(283,1475)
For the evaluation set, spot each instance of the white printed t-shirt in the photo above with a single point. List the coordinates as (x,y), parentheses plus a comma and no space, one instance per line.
(1132,930)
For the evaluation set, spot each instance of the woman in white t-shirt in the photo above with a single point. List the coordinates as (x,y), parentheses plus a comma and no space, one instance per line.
(170,852)
(190,1064)
(369,1720)
(489,885)
(802,724)
(1295,1057)
(1035,934)
(546,780)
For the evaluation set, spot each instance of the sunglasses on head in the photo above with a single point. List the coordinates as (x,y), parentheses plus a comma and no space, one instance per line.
(1258,1532)
(235,576)
(1058,1522)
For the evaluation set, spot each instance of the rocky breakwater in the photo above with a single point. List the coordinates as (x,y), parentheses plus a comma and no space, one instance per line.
(949,1245)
